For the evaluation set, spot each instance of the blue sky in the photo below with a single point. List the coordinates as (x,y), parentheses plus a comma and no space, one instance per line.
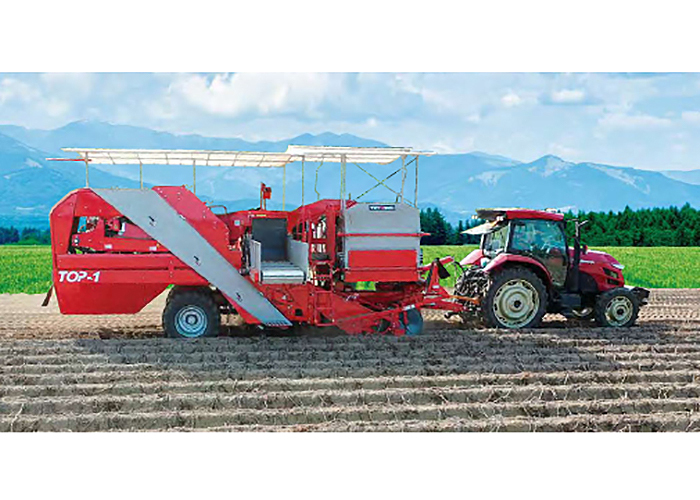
(648,121)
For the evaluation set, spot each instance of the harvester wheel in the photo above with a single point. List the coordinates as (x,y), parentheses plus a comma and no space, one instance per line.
(516,298)
(618,307)
(191,314)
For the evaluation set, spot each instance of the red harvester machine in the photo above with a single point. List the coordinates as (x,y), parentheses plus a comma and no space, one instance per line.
(344,263)
(115,250)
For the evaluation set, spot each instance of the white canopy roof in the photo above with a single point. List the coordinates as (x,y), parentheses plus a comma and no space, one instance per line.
(352,155)
(181,157)
(242,158)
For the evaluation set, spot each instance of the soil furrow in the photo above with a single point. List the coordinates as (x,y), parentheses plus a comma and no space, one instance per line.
(215,398)
(109,420)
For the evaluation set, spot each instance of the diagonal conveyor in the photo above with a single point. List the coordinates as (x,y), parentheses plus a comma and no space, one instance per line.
(160,221)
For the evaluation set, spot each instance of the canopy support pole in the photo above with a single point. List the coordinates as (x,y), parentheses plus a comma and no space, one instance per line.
(415,194)
(303,160)
(284,187)
(343,167)
(141,173)
(87,172)
(318,195)
(403,175)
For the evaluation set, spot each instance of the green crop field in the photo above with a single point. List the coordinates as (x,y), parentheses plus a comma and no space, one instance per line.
(651,267)
(27,269)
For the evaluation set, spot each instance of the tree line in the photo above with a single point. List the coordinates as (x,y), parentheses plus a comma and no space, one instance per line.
(26,236)
(649,227)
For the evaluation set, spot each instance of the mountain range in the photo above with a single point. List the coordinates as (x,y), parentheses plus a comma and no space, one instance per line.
(456,183)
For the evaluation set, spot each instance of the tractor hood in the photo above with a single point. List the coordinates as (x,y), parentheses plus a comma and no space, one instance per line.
(593,257)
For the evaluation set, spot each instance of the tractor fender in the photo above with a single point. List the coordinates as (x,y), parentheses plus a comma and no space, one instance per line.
(505,260)
(472,259)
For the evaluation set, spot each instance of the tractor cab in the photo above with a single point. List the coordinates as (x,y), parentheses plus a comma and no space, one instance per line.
(529,233)
(549,273)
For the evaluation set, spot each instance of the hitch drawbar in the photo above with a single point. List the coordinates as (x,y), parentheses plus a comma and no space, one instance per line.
(642,294)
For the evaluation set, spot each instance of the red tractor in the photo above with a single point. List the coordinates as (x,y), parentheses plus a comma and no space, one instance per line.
(525,268)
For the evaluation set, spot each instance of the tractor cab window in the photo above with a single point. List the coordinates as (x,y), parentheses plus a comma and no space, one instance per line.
(533,235)
(544,240)
(495,241)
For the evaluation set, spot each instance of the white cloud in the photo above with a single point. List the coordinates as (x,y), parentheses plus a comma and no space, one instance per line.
(57,107)
(568,96)
(14,89)
(679,148)
(473,118)
(633,122)
(691,116)
(260,93)
(78,84)
(562,150)
(511,99)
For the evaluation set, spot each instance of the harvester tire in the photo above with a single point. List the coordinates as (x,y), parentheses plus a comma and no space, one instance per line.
(516,298)
(616,308)
(191,313)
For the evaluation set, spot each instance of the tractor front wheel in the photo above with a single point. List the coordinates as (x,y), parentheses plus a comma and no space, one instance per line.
(618,308)
(516,298)
(191,313)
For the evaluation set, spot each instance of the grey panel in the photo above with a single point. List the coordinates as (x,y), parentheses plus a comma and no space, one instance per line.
(255,252)
(396,218)
(281,272)
(163,223)
(298,253)
(272,235)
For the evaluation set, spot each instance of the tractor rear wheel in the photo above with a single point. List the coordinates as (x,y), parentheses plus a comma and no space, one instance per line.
(618,308)
(191,313)
(516,298)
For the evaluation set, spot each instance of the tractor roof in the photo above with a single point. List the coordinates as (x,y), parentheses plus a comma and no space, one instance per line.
(491,214)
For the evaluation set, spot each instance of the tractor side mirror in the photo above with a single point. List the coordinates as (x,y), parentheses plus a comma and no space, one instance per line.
(578,224)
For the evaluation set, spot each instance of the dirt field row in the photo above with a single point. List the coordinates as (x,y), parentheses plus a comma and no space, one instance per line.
(60,373)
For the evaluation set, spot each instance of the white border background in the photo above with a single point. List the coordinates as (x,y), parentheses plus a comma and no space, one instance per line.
(361,35)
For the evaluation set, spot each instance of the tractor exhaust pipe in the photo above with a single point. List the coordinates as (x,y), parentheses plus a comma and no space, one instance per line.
(575,273)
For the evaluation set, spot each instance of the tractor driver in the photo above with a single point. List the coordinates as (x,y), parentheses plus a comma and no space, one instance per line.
(524,236)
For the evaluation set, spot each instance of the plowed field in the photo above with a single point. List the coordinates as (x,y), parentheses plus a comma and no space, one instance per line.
(61,373)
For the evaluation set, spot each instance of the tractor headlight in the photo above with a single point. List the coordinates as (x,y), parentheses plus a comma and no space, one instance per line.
(618,266)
